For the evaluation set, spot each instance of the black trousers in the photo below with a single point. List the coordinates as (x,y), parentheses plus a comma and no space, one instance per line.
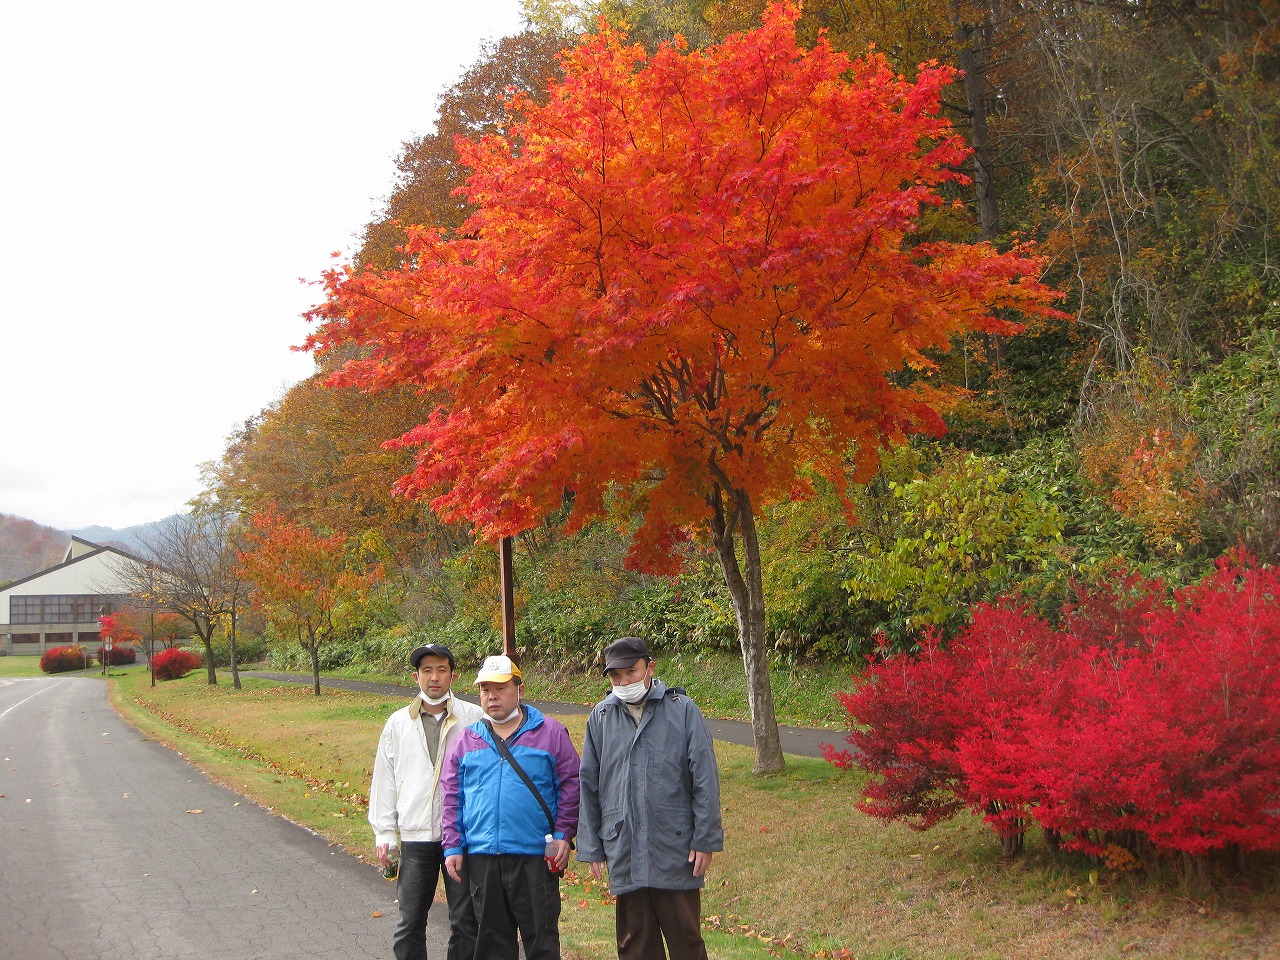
(646,917)
(420,864)
(515,894)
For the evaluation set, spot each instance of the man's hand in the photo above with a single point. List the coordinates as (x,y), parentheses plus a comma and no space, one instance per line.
(453,864)
(384,853)
(700,862)
(597,869)
(562,854)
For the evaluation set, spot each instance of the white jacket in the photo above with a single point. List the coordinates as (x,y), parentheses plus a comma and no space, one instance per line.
(405,803)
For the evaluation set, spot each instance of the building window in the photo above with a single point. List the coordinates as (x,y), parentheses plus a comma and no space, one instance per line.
(61,608)
(25,637)
(25,609)
(84,639)
(57,609)
(58,639)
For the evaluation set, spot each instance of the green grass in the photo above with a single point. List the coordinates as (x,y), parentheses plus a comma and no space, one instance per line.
(12,666)
(28,666)
(803,873)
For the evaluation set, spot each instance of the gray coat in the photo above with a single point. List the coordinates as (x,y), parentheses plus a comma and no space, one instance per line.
(650,793)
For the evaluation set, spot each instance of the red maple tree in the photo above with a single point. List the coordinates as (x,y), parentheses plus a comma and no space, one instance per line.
(690,278)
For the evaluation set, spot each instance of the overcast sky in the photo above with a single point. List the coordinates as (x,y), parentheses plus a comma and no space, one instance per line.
(168,172)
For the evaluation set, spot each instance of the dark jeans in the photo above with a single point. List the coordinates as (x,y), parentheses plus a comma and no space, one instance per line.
(515,893)
(420,865)
(646,917)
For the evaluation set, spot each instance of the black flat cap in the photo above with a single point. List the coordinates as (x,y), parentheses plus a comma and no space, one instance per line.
(623,652)
(432,650)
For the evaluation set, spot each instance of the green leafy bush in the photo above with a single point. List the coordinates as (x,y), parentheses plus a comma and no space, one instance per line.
(967,533)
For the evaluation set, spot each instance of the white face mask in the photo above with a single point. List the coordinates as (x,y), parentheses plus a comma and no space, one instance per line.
(510,716)
(632,692)
(434,703)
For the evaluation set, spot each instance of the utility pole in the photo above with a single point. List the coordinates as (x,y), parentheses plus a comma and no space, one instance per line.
(508,599)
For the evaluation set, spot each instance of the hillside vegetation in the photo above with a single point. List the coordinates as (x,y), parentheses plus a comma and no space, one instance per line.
(1140,430)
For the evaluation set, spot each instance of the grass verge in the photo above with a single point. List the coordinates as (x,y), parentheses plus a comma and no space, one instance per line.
(803,874)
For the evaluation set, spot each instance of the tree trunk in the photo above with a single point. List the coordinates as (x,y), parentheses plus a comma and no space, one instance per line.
(973,42)
(231,642)
(747,594)
(315,666)
(205,632)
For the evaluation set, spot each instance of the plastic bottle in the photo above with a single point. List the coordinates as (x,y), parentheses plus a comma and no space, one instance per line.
(550,852)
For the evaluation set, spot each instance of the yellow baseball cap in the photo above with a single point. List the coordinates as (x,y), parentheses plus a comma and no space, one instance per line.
(498,669)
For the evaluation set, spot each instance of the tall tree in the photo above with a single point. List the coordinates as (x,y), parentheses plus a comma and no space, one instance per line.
(429,172)
(302,580)
(319,452)
(690,278)
(189,569)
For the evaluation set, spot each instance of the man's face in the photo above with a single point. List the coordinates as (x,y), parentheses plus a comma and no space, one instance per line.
(499,699)
(434,676)
(642,669)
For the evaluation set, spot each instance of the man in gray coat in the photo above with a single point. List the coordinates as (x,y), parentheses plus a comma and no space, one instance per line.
(650,806)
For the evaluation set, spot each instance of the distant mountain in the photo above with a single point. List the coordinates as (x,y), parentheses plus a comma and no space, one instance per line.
(130,539)
(27,547)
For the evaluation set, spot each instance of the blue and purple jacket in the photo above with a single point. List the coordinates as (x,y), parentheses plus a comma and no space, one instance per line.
(487,807)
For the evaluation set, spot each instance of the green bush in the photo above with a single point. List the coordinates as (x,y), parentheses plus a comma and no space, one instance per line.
(250,648)
(967,533)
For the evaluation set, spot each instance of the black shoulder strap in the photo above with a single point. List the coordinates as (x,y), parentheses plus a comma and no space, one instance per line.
(506,755)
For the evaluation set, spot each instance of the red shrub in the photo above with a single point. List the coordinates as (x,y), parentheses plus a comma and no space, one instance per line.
(907,718)
(118,655)
(175,662)
(1144,723)
(62,659)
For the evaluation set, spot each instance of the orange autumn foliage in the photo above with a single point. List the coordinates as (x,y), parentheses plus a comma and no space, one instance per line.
(303,581)
(686,274)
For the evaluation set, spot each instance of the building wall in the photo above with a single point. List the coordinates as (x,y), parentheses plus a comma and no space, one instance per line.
(99,575)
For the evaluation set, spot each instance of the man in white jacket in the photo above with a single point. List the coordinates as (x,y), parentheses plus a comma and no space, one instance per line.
(405,804)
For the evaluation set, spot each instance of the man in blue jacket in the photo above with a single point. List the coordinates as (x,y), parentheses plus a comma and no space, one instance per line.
(515,835)
(650,806)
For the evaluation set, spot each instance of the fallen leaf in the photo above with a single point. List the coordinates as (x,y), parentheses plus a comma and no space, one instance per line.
(376,913)
(195,811)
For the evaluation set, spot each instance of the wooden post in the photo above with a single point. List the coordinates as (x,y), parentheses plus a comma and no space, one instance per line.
(508,599)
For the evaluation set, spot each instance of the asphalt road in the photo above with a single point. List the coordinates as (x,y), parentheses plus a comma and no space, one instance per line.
(112,846)
(799,741)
